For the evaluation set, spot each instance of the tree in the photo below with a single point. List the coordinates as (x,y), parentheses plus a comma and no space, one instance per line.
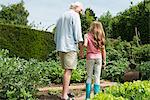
(14,14)
(106,19)
(132,22)
(86,19)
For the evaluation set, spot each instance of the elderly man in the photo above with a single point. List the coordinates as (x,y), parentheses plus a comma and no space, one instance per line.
(68,38)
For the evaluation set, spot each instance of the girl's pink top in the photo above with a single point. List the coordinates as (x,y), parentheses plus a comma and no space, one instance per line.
(92,51)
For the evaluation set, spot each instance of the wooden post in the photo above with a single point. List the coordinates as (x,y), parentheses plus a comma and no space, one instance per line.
(137,37)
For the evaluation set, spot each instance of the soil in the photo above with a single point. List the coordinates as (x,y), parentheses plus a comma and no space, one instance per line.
(48,97)
(79,95)
(53,92)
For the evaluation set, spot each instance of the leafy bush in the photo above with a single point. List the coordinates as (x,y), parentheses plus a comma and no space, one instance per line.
(113,54)
(116,70)
(120,54)
(20,78)
(125,22)
(141,53)
(116,49)
(144,69)
(138,90)
(55,72)
(79,75)
(103,96)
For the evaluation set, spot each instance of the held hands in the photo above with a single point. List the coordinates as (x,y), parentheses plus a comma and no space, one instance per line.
(81,51)
(81,54)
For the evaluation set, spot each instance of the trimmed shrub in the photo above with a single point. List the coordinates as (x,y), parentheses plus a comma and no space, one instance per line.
(26,43)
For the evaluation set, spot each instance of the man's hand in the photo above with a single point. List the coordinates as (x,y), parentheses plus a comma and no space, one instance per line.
(81,54)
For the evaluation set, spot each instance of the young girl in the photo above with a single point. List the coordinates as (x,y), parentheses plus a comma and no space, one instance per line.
(95,56)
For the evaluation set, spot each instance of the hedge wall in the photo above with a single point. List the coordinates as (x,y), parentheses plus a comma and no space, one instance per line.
(26,43)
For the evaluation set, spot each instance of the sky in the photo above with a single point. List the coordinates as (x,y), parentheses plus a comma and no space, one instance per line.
(44,13)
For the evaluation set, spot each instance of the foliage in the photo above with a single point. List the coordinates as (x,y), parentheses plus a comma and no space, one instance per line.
(20,78)
(125,22)
(106,19)
(26,43)
(116,49)
(14,14)
(144,69)
(116,69)
(16,81)
(79,75)
(86,19)
(54,72)
(147,4)
(120,54)
(138,90)
(141,53)
(103,96)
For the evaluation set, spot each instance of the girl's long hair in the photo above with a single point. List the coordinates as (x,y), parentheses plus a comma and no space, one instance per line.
(98,34)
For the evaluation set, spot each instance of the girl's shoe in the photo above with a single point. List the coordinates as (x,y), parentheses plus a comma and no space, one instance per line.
(96,89)
(88,91)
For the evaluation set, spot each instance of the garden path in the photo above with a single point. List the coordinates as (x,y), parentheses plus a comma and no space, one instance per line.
(78,89)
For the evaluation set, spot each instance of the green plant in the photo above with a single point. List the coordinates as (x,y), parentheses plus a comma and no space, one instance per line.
(116,49)
(138,90)
(14,14)
(144,69)
(78,75)
(103,96)
(142,53)
(20,78)
(116,70)
(124,23)
(17,82)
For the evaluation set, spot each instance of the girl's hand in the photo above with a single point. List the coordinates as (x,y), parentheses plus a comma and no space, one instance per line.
(81,54)
(104,65)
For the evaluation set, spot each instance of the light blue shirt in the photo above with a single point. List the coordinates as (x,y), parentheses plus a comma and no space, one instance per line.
(68,32)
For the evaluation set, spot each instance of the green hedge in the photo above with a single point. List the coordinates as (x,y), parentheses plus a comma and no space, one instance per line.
(26,43)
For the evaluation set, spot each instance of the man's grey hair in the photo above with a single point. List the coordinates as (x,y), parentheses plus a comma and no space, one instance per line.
(75,5)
